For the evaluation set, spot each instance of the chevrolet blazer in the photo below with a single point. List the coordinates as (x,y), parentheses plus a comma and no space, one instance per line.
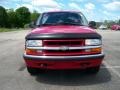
(63,40)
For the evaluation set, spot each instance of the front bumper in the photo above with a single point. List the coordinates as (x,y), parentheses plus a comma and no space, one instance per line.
(63,62)
(56,58)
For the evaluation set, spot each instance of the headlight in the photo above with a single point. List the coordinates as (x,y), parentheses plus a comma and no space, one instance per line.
(93,42)
(33,43)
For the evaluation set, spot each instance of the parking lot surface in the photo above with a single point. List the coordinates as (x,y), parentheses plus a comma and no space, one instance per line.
(14,76)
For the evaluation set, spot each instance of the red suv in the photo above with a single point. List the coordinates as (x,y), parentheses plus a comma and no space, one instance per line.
(63,40)
(115,27)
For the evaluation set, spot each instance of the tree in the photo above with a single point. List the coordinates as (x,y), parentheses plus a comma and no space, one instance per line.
(23,15)
(109,23)
(3,17)
(12,18)
(34,15)
(119,21)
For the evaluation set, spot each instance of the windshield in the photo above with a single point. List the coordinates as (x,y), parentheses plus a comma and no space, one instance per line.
(62,18)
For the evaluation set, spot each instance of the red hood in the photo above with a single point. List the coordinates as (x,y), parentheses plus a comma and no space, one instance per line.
(62,29)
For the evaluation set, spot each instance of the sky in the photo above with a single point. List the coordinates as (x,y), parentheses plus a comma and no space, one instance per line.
(97,10)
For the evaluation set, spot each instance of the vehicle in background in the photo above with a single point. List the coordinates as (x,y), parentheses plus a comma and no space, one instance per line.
(115,27)
(103,27)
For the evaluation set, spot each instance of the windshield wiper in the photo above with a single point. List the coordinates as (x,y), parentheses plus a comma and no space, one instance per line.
(71,23)
(61,23)
(46,24)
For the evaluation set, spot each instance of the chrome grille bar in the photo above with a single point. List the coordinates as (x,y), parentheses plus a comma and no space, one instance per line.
(60,48)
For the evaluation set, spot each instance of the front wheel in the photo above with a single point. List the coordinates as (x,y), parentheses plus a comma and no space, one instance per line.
(93,70)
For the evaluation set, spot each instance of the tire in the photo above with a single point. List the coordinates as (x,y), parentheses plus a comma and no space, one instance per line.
(33,71)
(93,70)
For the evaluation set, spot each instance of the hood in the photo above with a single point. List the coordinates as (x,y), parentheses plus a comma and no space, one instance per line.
(62,29)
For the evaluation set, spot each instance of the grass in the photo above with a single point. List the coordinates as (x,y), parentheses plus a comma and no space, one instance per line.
(9,29)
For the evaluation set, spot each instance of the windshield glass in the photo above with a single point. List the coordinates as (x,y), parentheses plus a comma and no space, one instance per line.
(62,18)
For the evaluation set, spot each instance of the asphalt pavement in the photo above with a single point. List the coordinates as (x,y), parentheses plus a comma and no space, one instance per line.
(14,75)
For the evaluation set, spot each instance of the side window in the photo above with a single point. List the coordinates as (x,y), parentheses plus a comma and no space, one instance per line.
(45,18)
(39,20)
(83,19)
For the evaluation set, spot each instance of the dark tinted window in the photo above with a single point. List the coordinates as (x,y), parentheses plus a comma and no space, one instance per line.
(63,18)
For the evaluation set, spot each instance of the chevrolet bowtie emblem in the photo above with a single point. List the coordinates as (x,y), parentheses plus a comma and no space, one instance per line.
(64,48)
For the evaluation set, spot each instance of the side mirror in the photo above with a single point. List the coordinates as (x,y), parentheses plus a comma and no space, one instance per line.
(92,24)
(32,25)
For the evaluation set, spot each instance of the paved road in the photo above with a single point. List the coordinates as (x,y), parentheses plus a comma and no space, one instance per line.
(14,76)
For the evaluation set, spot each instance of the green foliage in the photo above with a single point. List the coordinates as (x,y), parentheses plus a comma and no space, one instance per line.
(23,15)
(119,21)
(3,17)
(109,23)
(34,15)
(16,19)
(12,18)
(26,26)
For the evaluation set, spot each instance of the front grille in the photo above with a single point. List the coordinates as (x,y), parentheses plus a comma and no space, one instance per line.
(63,53)
(63,42)
(60,43)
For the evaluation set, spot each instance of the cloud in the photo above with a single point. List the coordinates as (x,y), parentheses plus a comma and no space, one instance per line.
(3,2)
(88,9)
(61,4)
(106,13)
(45,3)
(103,1)
(114,6)
(74,6)
(90,6)
(77,0)
(41,5)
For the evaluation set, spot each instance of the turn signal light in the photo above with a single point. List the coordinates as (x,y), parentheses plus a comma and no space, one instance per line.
(31,51)
(96,50)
